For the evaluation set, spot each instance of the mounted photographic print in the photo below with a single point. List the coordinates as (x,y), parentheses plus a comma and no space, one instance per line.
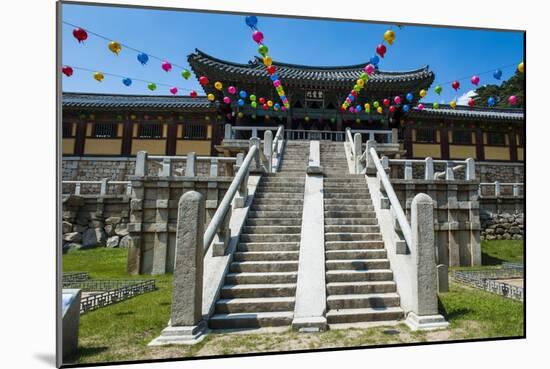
(242,184)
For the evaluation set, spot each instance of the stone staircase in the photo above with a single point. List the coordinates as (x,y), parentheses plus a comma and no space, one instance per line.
(260,286)
(359,281)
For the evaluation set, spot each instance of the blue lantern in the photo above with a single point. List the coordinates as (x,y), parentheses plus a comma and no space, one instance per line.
(409,97)
(375,60)
(277,106)
(491,101)
(358,108)
(127,81)
(242,94)
(240,102)
(251,21)
(143,58)
(274,77)
(497,74)
(406,108)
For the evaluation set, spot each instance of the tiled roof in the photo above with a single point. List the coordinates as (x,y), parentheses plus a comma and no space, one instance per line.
(461,112)
(288,72)
(87,100)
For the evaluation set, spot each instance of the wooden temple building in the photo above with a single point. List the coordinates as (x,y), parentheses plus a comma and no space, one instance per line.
(121,125)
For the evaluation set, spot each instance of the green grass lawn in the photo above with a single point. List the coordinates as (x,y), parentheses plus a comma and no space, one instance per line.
(122,331)
(499,251)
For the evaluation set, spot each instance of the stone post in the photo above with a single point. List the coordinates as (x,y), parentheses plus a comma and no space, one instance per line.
(497,188)
(442,278)
(255,141)
(394,136)
(223,235)
(254,132)
(228,132)
(429,169)
(242,193)
(186,324)
(424,313)
(268,148)
(77,188)
(314,160)
(408,170)
(213,167)
(141,163)
(449,173)
(166,170)
(371,169)
(103,188)
(358,148)
(515,190)
(470,169)
(190,165)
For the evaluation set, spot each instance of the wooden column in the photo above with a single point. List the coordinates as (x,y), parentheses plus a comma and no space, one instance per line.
(127,137)
(480,151)
(444,141)
(407,140)
(171,138)
(513,145)
(80,138)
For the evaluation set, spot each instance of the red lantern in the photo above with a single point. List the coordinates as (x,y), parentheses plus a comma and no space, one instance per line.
(271,69)
(456,85)
(381,50)
(354,93)
(266,107)
(193,94)
(80,34)
(471,102)
(392,109)
(386,102)
(68,71)
(262,100)
(203,80)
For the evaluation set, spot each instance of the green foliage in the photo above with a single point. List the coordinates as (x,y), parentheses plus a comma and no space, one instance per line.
(513,86)
(499,251)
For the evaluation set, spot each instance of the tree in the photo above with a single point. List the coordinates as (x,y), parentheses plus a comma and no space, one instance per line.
(513,86)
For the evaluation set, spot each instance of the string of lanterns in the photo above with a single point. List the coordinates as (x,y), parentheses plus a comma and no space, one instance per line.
(81,35)
(258,37)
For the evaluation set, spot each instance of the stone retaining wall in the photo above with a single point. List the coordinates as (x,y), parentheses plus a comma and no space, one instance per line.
(502,226)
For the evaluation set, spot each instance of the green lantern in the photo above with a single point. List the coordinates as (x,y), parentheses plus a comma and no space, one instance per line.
(185,74)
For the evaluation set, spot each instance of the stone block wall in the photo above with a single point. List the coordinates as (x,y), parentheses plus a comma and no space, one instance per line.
(502,226)
(95,221)
(456,217)
(153,217)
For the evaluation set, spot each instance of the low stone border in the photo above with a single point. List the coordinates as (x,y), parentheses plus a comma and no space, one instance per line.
(488,280)
(75,277)
(106,292)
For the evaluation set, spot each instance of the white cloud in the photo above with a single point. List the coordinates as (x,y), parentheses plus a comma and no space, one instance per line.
(463,99)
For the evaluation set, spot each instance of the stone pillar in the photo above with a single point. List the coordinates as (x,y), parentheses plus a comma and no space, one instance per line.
(257,165)
(268,149)
(190,165)
(408,172)
(358,148)
(186,324)
(424,313)
(160,246)
(442,278)
(228,132)
(242,194)
(371,169)
(470,169)
(429,169)
(141,163)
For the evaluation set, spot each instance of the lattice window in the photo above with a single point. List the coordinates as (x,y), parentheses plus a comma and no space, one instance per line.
(67,130)
(105,130)
(425,135)
(194,131)
(150,130)
(462,137)
(496,138)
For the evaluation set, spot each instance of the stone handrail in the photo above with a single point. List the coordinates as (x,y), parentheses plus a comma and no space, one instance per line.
(165,164)
(428,163)
(349,139)
(385,185)
(231,130)
(104,183)
(391,135)
(277,148)
(304,134)
(497,188)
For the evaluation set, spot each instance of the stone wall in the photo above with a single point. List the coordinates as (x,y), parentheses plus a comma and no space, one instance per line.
(95,221)
(502,226)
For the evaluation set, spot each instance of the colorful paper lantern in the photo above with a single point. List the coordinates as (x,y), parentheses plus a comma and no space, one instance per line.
(127,82)
(497,74)
(381,50)
(80,34)
(389,36)
(262,50)
(152,86)
(422,93)
(456,85)
(143,58)
(474,80)
(203,80)
(211,97)
(257,36)
(438,89)
(232,90)
(218,86)
(115,47)
(521,67)
(68,71)
(193,94)
(267,60)
(98,76)
(185,74)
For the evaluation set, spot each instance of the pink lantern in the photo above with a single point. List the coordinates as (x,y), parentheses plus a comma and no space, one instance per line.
(166,66)
(392,109)
(276,83)
(283,108)
(475,80)
(420,107)
(174,90)
(232,90)
(258,37)
(397,100)
(369,69)
(512,100)
(226,100)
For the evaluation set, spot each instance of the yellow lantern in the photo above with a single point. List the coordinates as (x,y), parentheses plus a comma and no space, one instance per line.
(422,93)
(453,104)
(115,47)
(521,67)
(269,103)
(360,83)
(98,76)
(367,108)
(218,86)
(379,110)
(267,60)
(389,36)
(211,97)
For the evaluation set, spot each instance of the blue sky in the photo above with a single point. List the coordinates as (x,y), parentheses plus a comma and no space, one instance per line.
(172,35)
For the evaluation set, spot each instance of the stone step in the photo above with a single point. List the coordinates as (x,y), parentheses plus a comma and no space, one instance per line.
(274,214)
(274,221)
(352,228)
(364,315)
(271,229)
(274,255)
(263,304)
(351,221)
(276,207)
(359,201)
(358,275)
(230,291)
(355,254)
(348,207)
(350,214)
(348,195)
(279,195)
(263,201)
(352,236)
(268,246)
(292,185)
(285,189)
(282,237)
(357,264)
(261,277)
(263,267)
(251,320)
(345,288)
(352,178)
(369,300)
(354,245)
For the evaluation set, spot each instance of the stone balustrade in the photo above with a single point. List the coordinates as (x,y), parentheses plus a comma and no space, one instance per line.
(103,187)
(498,189)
